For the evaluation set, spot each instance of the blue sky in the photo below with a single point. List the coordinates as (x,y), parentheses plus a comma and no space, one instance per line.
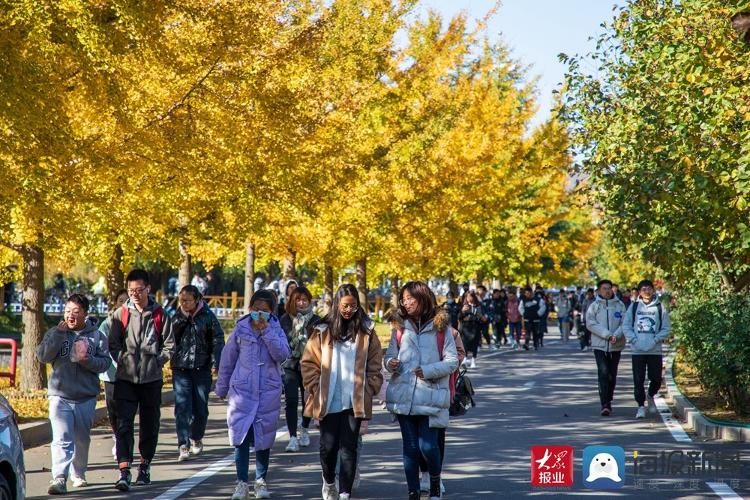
(536,31)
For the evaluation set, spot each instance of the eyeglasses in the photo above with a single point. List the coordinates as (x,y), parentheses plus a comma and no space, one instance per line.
(347,307)
(137,291)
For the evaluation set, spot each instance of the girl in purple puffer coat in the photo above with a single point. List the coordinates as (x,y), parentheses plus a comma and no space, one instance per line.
(250,379)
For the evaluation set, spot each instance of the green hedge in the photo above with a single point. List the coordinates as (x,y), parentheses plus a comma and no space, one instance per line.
(714,333)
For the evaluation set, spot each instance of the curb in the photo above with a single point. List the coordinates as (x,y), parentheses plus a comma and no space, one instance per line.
(39,433)
(694,419)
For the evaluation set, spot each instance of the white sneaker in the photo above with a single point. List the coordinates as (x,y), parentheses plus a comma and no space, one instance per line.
(261,490)
(344,496)
(196,447)
(184,453)
(330,492)
(79,482)
(304,437)
(652,409)
(641,413)
(473,363)
(493,347)
(242,491)
(424,482)
(57,486)
(293,445)
(442,488)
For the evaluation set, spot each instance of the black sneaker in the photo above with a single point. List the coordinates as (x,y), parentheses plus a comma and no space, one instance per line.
(144,474)
(123,484)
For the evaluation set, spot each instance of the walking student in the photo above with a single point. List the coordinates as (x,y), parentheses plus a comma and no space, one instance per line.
(420,363)
(141,340)
(199,341)
(297,324)
(250,380)
(109,376)
(514,320)
(532,308)
(341,372)
(471,317)
(78,353)
(500,319)
(604,319)
(564,307)
(646,326)
(489,316)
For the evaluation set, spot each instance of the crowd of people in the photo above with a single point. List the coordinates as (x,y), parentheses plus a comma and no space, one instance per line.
(333,366)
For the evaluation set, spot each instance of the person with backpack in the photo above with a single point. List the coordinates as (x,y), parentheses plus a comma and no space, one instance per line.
(604,319)
(78,353)
(421,363)
(532,309)
(500,318)
(142,341)
(646,326)
(471,317)
(199,340)
(341,372)
(297,323)
(514,320)
(442,325)
(250,380)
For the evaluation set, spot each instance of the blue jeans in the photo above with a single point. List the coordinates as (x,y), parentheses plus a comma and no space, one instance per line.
(191,388)
(515,330)
(419,439)
(242,458)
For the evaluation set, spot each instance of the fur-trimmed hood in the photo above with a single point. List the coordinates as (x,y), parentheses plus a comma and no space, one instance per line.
(442,320)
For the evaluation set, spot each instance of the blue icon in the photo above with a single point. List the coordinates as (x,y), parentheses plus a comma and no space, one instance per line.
(603,467)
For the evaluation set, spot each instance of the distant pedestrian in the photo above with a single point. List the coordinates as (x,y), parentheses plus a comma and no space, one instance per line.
(514,320)
(421,363)
(564,308)
(471,318)
(604,319)
(453,309)
(500,316)
(341,372)
(489,315)
(646,326)
(250,380)
(199,341)
(78,353)
(142,340)
(584,334)
(532,308)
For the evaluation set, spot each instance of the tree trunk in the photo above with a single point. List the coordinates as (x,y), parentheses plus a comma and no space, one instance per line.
(115,276)
(33,373)
(362,283)
(480,278)
(290,264)
(249,272)
(328,281)
(2,297)
(183,277)
(452,285)
(394,294)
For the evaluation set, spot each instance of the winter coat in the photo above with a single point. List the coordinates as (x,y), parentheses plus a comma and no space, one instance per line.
(453,309)
(110,375)
(646,334)
(532,309)
(250,379)
(409,395)
(74,380)
(318,370)
(140,351)
(500,307)
(604,318)
(296,345)
(198,338)
(514,315)
(563,306)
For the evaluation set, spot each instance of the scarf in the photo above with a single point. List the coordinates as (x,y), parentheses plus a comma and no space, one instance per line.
(299,331)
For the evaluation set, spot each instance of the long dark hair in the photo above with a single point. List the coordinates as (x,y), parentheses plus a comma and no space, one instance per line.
(339,328)
(426,302)
(291,304)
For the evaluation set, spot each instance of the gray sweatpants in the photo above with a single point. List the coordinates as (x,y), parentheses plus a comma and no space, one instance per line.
(71,435)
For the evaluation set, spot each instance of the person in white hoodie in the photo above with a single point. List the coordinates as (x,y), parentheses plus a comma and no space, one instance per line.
(604,319)
(646,326)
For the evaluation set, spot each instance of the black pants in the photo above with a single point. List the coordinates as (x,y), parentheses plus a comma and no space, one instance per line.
(471,337)
(109,398)
(606,366)
(293,393)
(484,329)
(641,364)
(499,328)
(584,337)
(146,400)
(339,431)
(533,330)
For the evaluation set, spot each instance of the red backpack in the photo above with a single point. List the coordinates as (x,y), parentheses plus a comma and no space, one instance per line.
(158,316)
(440,345)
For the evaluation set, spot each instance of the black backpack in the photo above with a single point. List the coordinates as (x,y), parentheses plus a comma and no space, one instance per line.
(464,398)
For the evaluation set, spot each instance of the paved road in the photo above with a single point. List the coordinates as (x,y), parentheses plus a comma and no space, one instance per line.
(524,398)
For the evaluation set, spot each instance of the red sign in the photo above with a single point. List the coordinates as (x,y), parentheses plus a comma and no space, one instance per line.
(552,466)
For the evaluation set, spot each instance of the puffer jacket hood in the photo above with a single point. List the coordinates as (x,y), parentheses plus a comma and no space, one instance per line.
(442,320)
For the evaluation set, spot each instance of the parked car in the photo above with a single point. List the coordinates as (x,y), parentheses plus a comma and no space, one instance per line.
(12,471)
